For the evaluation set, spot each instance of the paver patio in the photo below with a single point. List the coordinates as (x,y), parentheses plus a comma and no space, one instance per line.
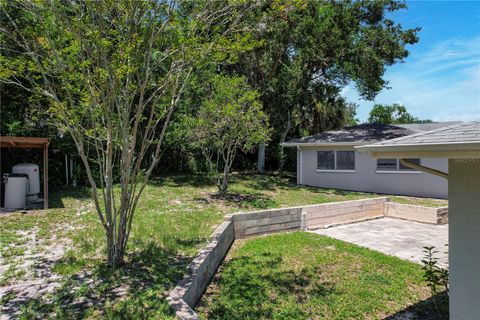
(401,238)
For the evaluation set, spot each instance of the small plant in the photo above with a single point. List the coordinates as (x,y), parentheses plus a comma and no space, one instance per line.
(436,276)
(437,280)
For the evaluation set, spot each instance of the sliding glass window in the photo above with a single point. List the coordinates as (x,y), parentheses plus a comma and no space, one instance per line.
(336,160)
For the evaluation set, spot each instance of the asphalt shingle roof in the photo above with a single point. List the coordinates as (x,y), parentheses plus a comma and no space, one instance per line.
(369,133)
(454,134)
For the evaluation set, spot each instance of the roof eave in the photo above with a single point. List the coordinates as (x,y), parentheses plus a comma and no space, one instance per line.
(323,144)
(433,150)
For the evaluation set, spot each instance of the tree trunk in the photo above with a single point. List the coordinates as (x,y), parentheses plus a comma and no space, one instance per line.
(116,239)
(283,136)
(110,247)
(223,181)
(116,249)
(261,158)
(223,184)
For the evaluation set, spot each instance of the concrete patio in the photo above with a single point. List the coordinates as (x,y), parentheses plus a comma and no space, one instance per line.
(401,238)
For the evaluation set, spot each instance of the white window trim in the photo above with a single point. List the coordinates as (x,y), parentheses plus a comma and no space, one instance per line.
(398,171)
(335,163)
(336,171)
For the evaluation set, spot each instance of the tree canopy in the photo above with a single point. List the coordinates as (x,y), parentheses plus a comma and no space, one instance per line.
(111,75)
(310,50)
(303,53)
(391,114)
(230,119)
(114,72)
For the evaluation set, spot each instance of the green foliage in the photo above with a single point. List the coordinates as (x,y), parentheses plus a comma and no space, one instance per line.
(436,277)
(229,119)
(114,72)
(391,114)
(311,50)
(297,55)
(437,281)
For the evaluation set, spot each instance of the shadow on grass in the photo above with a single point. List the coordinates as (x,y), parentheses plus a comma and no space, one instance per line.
(189,243)
(433,308)
(182,180)
(135,291)
(288,182)
(258,182)
(246,200)
(271,182)
(258,288)
(56,198)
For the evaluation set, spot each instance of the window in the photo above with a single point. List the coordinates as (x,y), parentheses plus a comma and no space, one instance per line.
(345,160)
(394,165)
(402,167)
(386,164)
(326,160)
(336,160)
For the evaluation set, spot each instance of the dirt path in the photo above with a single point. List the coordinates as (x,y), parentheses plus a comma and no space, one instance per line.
(29,273)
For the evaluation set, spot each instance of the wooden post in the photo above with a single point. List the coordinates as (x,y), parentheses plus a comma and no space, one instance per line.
(45,176)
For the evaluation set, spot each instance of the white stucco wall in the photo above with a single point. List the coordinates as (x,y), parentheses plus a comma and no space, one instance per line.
(365,177)
(464,238)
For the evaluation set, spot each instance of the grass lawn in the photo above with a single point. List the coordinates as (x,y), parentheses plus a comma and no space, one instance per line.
(62,249)
(301,275)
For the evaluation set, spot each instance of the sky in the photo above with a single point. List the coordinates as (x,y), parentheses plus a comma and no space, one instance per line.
(440,79)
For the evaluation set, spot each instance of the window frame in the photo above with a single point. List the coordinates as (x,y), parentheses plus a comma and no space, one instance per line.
(335,162)
(384,169)
(397,168)
(334,159)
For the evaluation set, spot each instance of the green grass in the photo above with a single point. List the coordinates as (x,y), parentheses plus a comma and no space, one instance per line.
(174,218)
(426,202)
(306,276)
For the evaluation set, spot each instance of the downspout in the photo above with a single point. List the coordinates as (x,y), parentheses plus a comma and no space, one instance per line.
(300,168)
(418,167)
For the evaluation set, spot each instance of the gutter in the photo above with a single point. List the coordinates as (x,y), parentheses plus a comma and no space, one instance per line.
(324,144)
(418,167)
(471,146)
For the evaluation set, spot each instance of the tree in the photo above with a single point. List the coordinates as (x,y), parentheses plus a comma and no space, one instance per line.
(391,114)
(229,119)
(114,72)
(311,50)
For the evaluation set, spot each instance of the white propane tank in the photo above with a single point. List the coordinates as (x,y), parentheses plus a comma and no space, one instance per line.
(33,178)
(16,186)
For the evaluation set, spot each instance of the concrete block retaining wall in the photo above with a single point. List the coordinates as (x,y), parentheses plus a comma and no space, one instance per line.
(200,271)
(417,213)
(261,222)
(324,215)
(184,297)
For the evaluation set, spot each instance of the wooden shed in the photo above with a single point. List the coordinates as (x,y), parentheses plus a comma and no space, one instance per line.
(27,143)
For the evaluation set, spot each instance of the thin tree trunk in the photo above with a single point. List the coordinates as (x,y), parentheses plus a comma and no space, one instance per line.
(283,136)
(261,158)
(224,184)
(228,161)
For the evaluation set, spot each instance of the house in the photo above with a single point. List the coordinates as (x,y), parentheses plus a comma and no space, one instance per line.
(460,144)
(329,160)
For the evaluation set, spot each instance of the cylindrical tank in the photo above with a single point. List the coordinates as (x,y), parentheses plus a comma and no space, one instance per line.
(33,173)
(16,187)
